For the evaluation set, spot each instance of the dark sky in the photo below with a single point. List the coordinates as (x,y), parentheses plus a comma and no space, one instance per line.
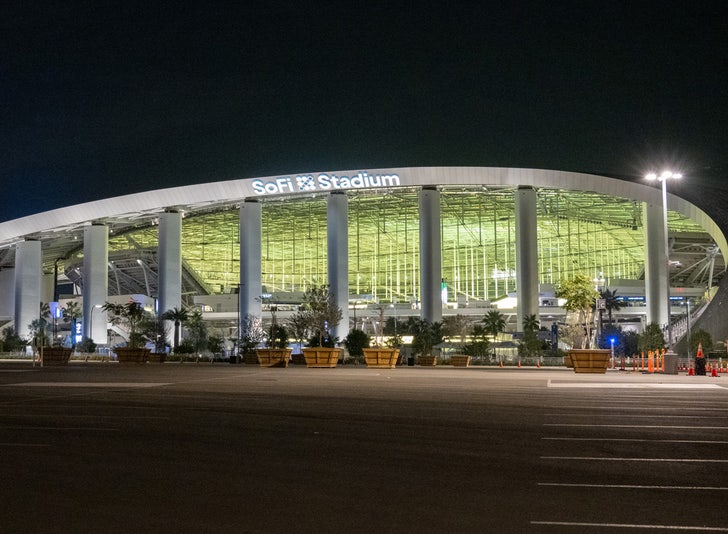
(101,98)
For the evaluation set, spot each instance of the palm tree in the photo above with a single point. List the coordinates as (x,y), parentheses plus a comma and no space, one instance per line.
(72,312)
(495,323)
(179,316)
(531,323)
(611,302)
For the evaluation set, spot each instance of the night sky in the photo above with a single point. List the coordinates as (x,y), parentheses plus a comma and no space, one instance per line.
(101,99)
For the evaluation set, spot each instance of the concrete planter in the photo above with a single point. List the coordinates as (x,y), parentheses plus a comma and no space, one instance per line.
(321,356)
(273,357)
(379,358)
(590,360)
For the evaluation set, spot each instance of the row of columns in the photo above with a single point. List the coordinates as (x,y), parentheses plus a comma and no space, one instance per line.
(95,263)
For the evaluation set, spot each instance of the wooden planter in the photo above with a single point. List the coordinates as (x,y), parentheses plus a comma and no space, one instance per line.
(251,358)
(381,358)
(273,357)
(56,356)
(321,356)
(130,355)
(590,360)
(460,360)
(157,357)
(427,361)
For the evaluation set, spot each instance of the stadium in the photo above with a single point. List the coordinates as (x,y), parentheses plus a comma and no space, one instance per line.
(428,242)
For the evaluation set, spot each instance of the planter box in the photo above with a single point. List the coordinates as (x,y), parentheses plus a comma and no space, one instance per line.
(56,356)
(381,358)
(273,357)
(157,357)
(427,361)
(129,355)
(590,360)
(251,358)
(321,356)
(460,360)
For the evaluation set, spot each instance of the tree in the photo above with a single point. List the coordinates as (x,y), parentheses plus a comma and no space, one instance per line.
(72,312)
(456,326)
(427,334)
(179,316)
(530,345)
(611,302)
(320,313)
(251,333)
(479,347)
(652,338)
(197,331)
(702,337)
(579,294)
(130,315)
(495,323)
(356,341)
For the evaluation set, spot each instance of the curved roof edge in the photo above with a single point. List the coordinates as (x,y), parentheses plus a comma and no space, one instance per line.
(139,206)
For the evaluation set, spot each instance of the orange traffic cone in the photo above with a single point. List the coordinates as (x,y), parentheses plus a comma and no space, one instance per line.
(538,364)
(691,371)
(713,371)
(501,363)
(519,363)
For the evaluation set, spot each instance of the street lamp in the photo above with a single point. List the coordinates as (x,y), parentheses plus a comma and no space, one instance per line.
(663,178)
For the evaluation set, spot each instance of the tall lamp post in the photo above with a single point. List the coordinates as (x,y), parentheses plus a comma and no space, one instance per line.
(663,177)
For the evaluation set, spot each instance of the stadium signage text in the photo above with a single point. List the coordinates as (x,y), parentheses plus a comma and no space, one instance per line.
(323,182)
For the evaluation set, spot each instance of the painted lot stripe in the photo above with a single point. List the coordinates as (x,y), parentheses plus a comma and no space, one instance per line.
(641,440)
(91,384)
(638,416)
(681,427)
(634,486)
(631,385)
(610,459)
(75,428)
(627,525)
(24,445)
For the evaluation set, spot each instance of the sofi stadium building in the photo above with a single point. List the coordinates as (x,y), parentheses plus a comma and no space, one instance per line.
(426,242)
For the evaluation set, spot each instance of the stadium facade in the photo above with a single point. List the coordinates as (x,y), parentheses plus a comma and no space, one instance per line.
(422,241)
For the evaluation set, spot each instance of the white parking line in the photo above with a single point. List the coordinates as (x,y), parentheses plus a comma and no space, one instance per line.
(682,427)
(617,459)
(627,525)
(641,440)
(24,445)
(635,486)
(91,384)
(632,385)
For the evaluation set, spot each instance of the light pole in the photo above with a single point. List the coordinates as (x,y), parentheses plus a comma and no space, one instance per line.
(663,178)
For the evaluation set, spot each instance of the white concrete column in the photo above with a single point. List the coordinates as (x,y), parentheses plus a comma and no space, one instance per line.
(656,279)
(251,285)
(337,236)
(28,267)
(526,255)
(95,281)
(169,251)
(430,254)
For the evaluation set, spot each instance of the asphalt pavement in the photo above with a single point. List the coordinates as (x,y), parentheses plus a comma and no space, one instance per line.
(110,448)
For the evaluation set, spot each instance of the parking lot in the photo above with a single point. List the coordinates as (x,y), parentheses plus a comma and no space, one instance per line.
(234,448)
